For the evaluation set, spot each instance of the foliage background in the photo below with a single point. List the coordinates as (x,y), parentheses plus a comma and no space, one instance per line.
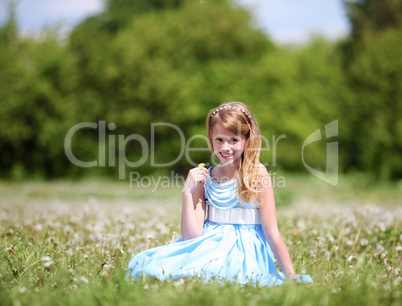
(140,62)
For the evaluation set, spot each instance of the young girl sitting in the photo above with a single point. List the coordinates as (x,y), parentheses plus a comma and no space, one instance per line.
(228,220)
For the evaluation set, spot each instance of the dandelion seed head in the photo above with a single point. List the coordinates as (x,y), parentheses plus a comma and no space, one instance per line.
(349,242)
(364,241)
(47,264)
(379,248)
(68,228)
(336,290)
(22,290)
(46,258)
(38,227)
(84,279)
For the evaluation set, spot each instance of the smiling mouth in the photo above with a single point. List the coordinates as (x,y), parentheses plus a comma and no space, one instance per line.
(226,156)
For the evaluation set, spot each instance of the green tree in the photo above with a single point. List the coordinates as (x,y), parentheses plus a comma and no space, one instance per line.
(376,131)
(372,67)
(156,69)
(37,86)
(373,16)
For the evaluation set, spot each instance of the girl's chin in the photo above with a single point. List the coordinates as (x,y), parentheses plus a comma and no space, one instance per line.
(226,161)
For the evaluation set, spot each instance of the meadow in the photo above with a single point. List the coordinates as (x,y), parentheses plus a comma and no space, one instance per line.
(69,243)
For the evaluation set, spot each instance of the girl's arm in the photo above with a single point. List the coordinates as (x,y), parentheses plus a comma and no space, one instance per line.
(270,225)
(193,203)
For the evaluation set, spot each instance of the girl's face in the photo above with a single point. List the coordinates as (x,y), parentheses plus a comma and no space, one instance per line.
(228,147)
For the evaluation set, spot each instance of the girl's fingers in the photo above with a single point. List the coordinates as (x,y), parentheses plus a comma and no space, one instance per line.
(200,174)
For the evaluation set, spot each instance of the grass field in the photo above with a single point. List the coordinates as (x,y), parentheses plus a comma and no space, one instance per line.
(66,242)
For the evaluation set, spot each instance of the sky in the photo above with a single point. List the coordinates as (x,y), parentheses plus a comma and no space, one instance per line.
(285,21)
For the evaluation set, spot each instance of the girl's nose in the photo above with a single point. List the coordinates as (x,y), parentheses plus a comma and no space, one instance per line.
(226,145)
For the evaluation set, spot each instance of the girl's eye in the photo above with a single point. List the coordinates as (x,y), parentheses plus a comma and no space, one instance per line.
(218,139)
(234,140)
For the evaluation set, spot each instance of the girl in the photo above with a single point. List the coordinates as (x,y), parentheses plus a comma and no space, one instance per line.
(233,238)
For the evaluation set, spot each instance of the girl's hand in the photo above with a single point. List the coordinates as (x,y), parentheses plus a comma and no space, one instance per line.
(195,177)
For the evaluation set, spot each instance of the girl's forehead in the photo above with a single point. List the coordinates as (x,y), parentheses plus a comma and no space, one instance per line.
(219,129)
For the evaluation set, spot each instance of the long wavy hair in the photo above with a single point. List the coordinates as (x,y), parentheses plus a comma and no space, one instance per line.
(238,119)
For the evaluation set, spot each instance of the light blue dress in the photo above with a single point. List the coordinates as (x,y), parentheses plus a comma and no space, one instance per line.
(233,252)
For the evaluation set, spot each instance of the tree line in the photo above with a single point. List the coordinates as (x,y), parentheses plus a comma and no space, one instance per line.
(145,61)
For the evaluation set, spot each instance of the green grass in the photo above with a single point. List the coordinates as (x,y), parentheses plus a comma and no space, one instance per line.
(347,238)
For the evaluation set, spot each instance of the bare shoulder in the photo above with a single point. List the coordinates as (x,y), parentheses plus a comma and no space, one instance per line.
(263,172)
(263,169)
(265,179)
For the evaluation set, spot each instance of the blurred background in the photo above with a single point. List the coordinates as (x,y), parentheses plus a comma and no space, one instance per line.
(297,65)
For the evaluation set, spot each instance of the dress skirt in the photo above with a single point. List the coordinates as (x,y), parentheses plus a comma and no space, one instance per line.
(232,252)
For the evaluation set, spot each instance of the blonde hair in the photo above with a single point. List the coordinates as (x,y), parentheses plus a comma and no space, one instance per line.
(238,119)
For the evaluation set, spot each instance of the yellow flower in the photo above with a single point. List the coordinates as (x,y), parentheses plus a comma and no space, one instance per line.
(49,248)
(201,165)
(295,233)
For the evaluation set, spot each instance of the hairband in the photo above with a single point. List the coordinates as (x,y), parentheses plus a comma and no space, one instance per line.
(229,106)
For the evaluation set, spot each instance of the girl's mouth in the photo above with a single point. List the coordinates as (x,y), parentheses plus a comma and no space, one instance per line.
(226,156)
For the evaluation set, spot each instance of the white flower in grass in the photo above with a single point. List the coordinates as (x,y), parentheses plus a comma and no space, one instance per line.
(349,242)
(38,227)
(364,241)
(130,226)
(103,273)
(178,283)
(162,228)
(379,248)
(23,289)
(387,286)
(382,226)
(47,261)
(84,279)
(330,238)
(397,281)
(68,228)
(69,252)
(336,290)
(398,248)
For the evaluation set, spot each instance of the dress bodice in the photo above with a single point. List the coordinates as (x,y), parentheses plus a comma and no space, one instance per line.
(223,195)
